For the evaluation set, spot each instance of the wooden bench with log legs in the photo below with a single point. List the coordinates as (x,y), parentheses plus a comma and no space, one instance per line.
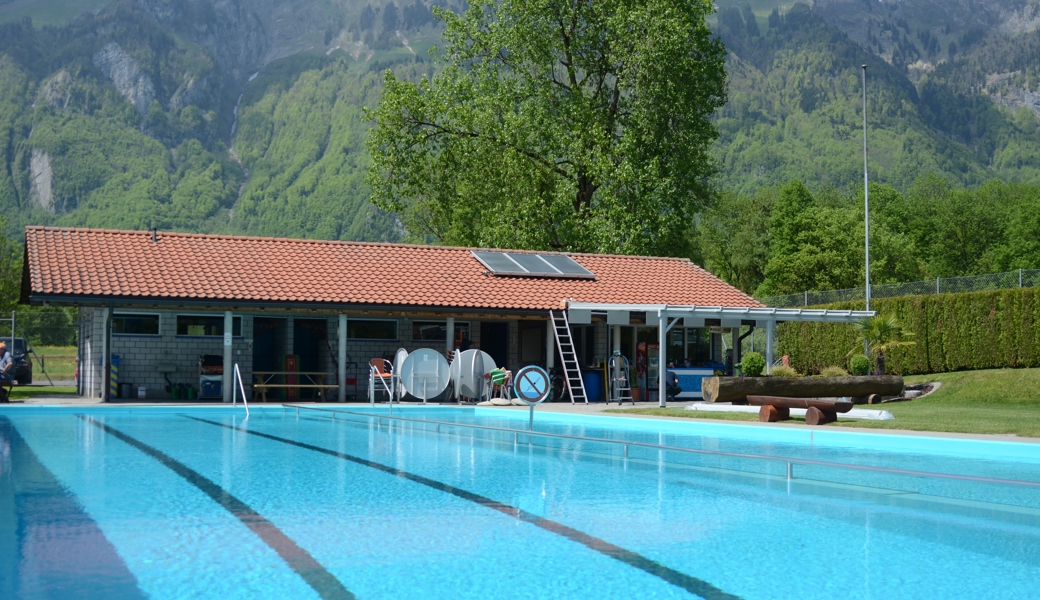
(818,412)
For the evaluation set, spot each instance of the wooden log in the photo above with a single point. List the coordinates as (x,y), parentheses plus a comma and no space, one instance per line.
(771,414)
(736,389)
(838,406)
(817,416)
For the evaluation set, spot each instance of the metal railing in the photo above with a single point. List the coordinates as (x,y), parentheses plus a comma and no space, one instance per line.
(241,388)
(940,285)
(790,461)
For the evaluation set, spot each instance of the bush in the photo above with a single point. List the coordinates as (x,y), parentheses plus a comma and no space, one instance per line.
(859,365)
(833,372)
(783,371)
(753,364)
(995,329)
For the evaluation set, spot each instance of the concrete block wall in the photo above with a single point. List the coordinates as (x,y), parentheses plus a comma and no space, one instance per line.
(143,357)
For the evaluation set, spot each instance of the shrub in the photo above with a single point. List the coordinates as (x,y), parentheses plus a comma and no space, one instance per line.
(753,364)
(833,372)
(995,329)
(783,371)
(859,364)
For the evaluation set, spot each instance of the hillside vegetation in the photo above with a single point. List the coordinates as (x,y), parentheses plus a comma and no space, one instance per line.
(249,117)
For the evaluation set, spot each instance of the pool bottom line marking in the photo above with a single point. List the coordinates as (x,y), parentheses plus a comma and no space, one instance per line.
(305,565)
(679,579)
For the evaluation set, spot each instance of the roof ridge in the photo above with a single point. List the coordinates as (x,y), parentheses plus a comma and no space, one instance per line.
(218,236)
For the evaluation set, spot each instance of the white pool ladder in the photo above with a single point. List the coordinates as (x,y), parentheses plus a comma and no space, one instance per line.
(241,388)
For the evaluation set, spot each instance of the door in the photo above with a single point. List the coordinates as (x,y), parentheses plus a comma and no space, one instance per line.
(494,340)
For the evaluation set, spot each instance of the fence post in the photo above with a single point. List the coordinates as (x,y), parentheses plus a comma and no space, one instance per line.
(1020,278)
(936,285)
(806,297)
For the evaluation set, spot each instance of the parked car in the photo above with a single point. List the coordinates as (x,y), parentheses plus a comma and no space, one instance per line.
(23,369)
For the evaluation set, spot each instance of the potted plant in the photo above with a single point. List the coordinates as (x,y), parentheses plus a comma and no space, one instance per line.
(636,392)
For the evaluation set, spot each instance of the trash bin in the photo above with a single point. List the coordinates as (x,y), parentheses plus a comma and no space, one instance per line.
(126,390)
(593,385)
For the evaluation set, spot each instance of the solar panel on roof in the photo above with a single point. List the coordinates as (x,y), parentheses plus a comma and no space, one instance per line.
(499,263)
(529,264)
(533,263)
(566,265)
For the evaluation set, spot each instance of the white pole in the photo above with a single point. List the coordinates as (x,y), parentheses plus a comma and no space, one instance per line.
(341,377)
(770,325)
(662,354)
(550,345)
(227,383)
(866,186)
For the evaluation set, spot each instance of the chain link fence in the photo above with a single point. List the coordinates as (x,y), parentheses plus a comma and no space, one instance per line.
(939,285)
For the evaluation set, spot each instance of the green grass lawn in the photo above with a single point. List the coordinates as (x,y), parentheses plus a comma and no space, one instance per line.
(60,362)
(998,401)
(26,392)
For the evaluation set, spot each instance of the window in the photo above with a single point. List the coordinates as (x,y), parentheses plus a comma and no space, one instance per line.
(437,331)
(206,325)
(135,324)
(371,330)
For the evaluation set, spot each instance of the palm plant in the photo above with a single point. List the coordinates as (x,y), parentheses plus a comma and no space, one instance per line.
(881,333)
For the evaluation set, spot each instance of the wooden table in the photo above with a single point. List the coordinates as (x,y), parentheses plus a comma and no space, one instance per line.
(315,380)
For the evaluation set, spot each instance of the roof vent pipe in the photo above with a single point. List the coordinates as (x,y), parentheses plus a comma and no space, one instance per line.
(155,232)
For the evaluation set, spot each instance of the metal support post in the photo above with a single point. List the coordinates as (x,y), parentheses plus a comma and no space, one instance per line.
(662,358)
(770,325)
(341,351)
(449,330)
(226,385)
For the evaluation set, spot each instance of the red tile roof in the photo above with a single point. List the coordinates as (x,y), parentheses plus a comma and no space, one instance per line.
(73,264)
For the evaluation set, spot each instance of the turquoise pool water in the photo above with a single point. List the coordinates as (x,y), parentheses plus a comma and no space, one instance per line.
(175,503)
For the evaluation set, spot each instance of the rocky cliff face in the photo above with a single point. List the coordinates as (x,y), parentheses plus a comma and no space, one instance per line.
(42,176)
(133,83)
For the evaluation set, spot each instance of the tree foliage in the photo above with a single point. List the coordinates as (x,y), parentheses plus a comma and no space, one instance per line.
(581,126)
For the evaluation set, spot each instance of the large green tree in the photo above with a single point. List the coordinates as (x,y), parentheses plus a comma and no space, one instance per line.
(556,124)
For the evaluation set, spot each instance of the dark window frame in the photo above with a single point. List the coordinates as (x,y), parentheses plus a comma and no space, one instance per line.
(121,318)
(353,337)
(236,326)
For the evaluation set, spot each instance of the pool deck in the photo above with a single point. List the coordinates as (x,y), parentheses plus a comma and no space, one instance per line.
(593,408)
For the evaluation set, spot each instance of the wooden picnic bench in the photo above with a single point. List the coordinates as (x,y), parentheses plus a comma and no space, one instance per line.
(818,412)
(263,381)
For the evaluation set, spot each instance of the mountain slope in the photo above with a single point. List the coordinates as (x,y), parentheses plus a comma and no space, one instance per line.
(795,111)
(246,116)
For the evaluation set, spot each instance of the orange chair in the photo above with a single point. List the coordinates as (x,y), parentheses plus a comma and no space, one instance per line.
(381,372)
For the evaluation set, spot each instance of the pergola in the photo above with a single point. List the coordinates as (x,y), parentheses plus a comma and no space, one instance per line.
(669,316)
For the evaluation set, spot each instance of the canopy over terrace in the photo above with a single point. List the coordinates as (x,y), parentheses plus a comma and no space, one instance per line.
(698,316)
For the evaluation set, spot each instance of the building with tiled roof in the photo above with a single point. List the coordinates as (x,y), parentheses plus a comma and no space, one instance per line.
(160,300)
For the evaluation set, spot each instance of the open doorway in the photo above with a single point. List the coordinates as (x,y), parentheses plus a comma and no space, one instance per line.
(532,343)
(494,337)
(309,337)
(269,346)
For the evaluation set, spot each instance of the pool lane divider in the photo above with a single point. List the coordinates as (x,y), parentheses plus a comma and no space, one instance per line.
(305,565)
(691,584)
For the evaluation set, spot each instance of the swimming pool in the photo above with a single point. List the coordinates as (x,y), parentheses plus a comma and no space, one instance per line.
(170,502)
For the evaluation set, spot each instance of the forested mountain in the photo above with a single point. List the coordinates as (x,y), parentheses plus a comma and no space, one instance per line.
(247,116)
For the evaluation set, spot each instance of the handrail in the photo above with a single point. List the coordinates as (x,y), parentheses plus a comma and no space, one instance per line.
(242,388)
(788,460)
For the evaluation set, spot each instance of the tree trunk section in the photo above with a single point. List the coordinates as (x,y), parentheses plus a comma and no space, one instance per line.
(737,389)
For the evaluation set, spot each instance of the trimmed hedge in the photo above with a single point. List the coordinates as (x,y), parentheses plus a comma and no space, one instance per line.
(954,332)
